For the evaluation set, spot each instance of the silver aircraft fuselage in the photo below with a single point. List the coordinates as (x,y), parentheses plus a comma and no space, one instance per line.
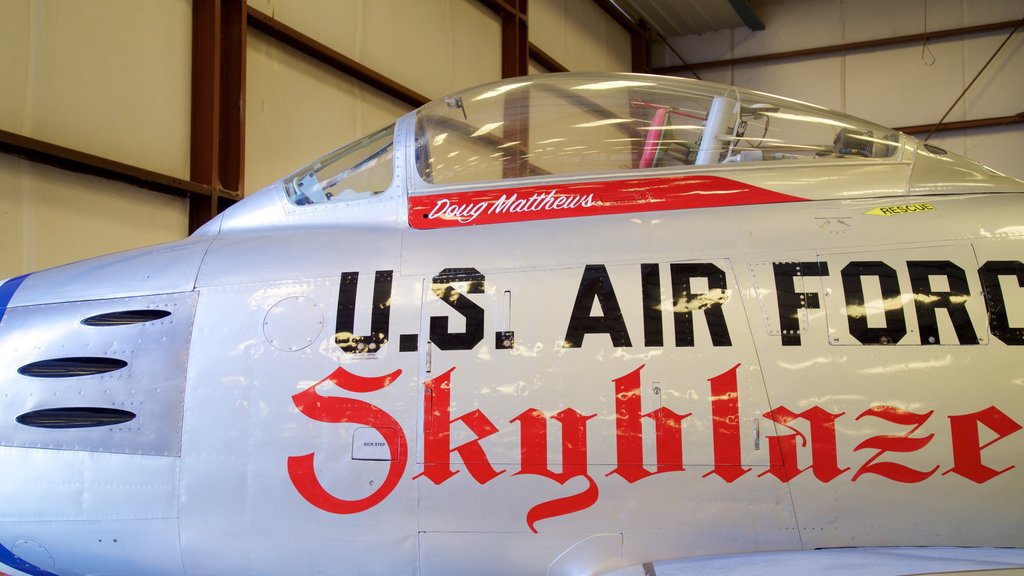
(558,325)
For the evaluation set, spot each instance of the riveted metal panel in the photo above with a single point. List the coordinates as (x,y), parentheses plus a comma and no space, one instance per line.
(151,385)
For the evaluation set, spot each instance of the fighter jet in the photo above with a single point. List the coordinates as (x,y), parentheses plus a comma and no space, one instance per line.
(560,324)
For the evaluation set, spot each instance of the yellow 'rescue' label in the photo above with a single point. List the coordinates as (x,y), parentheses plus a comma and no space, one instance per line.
(897,210)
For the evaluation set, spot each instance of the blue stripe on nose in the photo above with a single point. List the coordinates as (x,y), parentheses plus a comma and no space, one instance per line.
(11,560)
(7,290)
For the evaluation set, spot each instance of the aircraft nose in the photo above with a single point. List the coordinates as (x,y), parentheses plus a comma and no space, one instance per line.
(91,407)
(7,289)
(109,373)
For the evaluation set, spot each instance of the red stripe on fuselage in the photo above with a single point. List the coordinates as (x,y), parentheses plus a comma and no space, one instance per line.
(576,199)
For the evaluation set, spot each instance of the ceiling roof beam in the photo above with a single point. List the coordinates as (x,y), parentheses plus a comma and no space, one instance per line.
(747,14)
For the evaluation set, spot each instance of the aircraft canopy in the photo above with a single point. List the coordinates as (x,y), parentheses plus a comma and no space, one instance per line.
(556,124)
(577,123)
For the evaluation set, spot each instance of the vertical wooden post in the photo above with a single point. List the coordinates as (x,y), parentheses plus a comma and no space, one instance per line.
(515,50)
(515,41)
(218,104)
(639,40)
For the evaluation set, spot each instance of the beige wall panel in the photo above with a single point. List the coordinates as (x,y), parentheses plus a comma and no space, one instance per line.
(707,47)
(999,91)
(50,217)
(547,27)
(584,49)
(873,19)
(476,44)
(336,23)
(788,78)
(792,25)
(410,42)
(721,75)
(14,64)
(895,87)
(593,41)
(14,256)
(107,77)
(984,11)
(579,35)
(298,110)
(432,46)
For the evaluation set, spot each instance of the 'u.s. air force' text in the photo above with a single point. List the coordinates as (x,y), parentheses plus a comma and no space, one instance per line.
(940,291)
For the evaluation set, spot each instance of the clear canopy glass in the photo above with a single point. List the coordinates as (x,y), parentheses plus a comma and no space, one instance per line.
(573,123)
(362,169)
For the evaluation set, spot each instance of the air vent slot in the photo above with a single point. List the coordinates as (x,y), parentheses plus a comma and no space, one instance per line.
(125,317)
(71,367)
(78,417)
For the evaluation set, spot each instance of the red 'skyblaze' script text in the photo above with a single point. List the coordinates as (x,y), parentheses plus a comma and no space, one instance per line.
(784,464)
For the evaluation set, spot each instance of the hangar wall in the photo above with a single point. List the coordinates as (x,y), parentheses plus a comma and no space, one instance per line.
(579,35)
(107,77)
(298,110)
(898,86)
(112,78)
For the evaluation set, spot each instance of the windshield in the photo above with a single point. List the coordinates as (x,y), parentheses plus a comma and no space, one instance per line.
(360,170)
(574,123)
